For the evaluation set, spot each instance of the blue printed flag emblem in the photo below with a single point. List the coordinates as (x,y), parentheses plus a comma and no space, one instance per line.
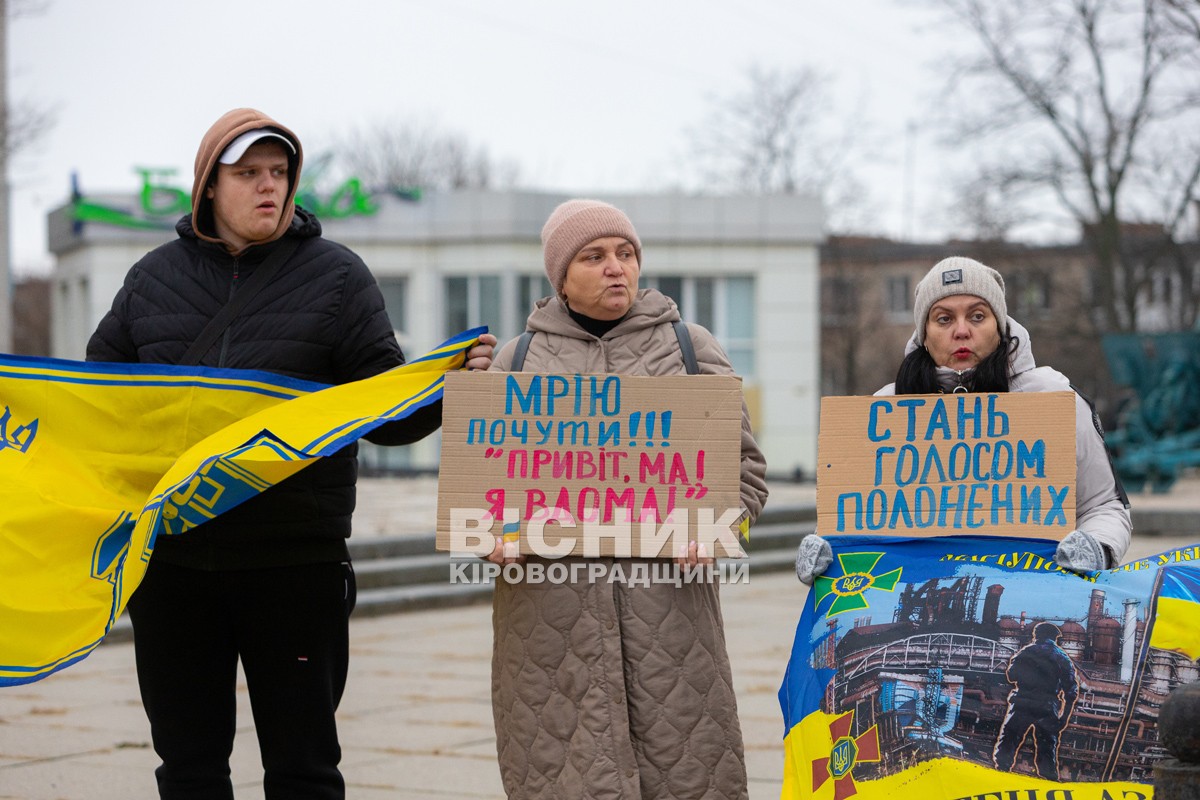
(14,436)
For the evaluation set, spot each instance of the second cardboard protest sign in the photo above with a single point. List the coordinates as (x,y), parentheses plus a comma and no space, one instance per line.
(592,465)
(950,464)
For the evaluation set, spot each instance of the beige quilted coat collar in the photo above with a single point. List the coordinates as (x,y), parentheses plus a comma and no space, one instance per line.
(650,308)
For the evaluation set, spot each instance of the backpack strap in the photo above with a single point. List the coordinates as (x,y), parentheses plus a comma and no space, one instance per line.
(217,325)
(686,348)
(1100,430)
(518,359)
(681,333)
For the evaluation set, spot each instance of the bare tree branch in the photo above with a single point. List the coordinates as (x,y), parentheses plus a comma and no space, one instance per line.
(23,122)
(420,155)
(1086,91)
(771,136)
(27,123)
(1183,16)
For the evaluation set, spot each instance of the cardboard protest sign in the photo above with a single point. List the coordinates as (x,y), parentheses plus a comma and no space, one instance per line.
(590,465)
(936,465)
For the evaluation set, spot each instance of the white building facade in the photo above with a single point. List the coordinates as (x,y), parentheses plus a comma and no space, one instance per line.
(745,267)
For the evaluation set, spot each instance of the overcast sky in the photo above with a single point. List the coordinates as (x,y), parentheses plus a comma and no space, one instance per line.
(583,97)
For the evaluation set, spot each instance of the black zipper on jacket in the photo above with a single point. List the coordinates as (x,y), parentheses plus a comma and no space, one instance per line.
(232,290)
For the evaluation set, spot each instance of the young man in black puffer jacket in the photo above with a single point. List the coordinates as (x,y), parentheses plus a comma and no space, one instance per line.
(270,581)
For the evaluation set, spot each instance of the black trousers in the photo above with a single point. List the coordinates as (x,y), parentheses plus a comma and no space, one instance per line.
(1046,729)
(289,626)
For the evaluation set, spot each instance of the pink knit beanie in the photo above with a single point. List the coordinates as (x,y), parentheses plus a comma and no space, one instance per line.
(575,223)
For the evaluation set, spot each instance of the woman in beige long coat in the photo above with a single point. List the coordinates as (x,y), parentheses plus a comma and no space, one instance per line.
(602,689)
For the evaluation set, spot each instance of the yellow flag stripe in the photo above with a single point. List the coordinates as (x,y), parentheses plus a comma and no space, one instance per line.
(204,440)
(98,374)
(1175,627)
(938,777)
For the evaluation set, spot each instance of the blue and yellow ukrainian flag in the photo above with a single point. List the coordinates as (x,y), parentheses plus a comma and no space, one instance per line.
(97,460)
(1179,610)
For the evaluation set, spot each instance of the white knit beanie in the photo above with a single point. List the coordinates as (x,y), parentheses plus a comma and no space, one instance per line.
(958,275)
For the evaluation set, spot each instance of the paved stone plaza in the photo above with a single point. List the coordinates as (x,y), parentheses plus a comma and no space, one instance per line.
(416,719)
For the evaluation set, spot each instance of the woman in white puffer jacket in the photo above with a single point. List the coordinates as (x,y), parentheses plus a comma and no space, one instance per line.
(965,342)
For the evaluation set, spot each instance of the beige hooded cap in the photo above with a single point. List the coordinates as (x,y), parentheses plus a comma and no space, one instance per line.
(230,126)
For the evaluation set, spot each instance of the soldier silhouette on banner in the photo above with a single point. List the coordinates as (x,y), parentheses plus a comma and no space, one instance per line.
(1045,688)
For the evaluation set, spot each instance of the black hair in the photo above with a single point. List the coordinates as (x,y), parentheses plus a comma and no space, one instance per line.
(918,372)
(1046,630)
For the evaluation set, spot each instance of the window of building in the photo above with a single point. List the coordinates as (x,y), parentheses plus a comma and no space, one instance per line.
(703,302)
(530,289)
(723,305)
(899,294)
(738,324)
(458,305)
(474,300)
(395,300)
(671,286)
(837,299)
(1032,294)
